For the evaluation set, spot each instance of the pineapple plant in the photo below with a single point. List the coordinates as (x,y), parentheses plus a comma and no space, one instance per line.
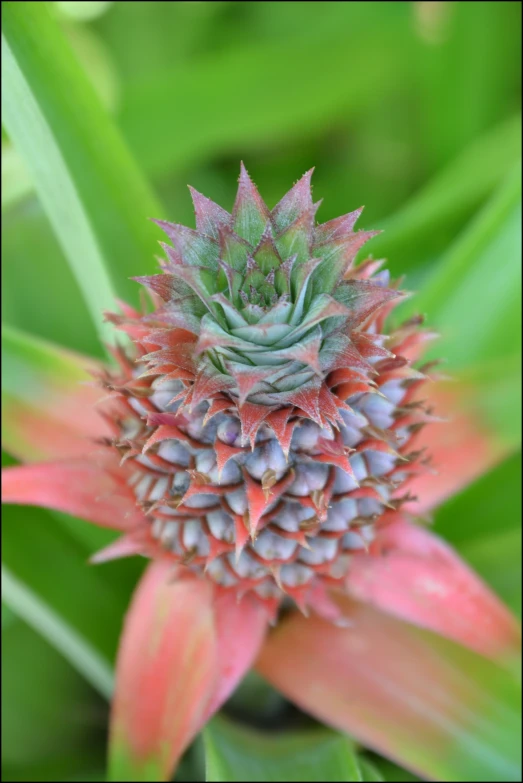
(261,436)
(256,438)
(265,419)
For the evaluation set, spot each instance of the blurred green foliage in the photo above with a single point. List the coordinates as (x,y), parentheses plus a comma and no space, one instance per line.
(235,753)
(412,108)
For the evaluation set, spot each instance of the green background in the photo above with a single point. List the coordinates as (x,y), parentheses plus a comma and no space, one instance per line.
(411,109)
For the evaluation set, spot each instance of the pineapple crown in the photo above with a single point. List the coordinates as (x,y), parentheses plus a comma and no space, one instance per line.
(269,295)
(265,419)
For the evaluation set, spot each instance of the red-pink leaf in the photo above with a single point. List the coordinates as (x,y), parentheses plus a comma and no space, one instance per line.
(85,488)
(48,400)
(166,673)
(462,449)
(33,434)
(240,629)
(416,576)
(436,708)
(183,650)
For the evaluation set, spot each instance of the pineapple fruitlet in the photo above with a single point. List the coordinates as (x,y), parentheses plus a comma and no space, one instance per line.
(265,420)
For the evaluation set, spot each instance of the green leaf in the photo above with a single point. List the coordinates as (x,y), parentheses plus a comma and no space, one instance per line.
(93,538)
(473,300)
(490,505)
(192,764)
(497,557)
(84,11)
(391,772)
(235,753)
(493,388)
(26,296)
(47,581)
(96,61)
(89,185)
(75,648)
(473,295)
(30,364)
(426,223)
(369,770)
(237,97)
(483,523)
(469,73)
(8,616)
(255,699)
(16,181)
(7,460)
(51,717)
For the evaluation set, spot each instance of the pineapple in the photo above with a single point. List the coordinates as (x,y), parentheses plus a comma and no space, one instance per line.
(265,420)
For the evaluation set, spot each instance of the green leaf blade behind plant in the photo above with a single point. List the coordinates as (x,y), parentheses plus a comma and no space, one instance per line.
(49,583)
(89,185)
(236,753)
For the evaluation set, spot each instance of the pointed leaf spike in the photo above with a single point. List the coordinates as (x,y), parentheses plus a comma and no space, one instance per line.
(125,546)
(339,228)
(259,502)
(241,526)
(251,417)
(292,206)
(217,405)
(248,377)
(194,248)
(224,453)
(209,216)
(307,400)
(278,422)
(250,214)
(266,255)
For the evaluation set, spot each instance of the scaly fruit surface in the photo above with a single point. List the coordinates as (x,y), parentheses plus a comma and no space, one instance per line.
(265,419)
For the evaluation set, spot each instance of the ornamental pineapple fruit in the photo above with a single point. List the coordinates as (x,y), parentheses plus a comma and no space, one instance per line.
(264,419)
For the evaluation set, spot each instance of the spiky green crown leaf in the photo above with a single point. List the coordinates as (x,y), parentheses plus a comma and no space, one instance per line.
(265,292)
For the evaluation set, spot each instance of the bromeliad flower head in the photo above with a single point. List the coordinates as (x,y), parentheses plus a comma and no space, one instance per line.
(263,434)
(265,419)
